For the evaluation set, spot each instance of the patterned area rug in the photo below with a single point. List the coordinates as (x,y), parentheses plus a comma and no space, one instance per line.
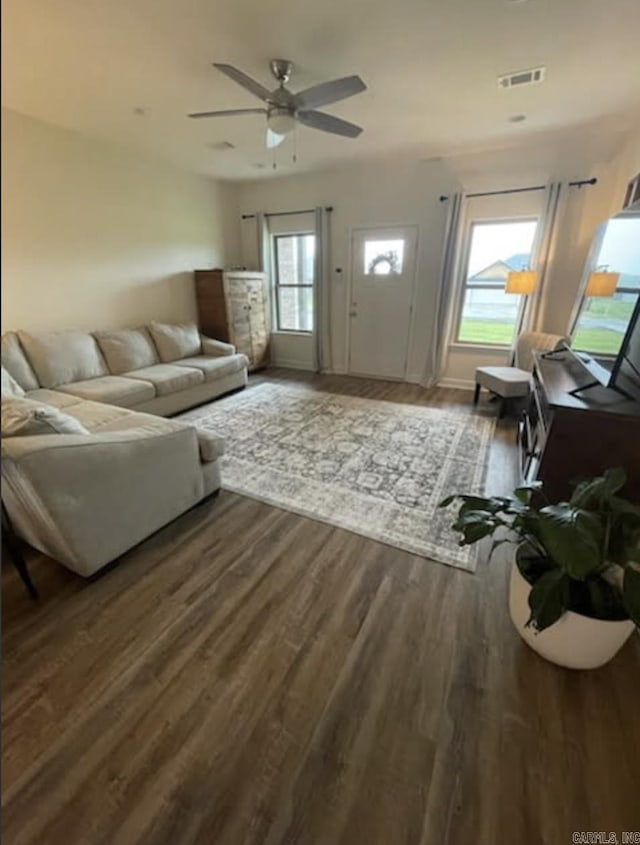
(376,468)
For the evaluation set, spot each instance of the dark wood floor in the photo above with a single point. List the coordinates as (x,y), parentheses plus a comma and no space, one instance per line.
(251,676)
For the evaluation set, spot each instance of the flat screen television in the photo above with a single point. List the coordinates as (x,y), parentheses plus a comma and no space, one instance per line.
(625,375)
(606,330)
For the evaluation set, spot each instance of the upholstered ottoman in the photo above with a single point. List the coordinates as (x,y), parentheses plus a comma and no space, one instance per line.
(505,382)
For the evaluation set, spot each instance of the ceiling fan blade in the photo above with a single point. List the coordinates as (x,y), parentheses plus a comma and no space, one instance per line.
(329,123)
(226,112)
(329,92)
(241,78)
(273,139)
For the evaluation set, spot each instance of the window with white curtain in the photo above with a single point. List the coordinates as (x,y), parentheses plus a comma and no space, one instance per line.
(293,264)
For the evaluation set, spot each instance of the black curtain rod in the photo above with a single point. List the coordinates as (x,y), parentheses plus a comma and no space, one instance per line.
(286,213)
(580,182)
(508,191)
(289,213)
(577,184)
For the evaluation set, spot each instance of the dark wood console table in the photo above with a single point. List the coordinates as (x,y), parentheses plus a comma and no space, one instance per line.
(564,438)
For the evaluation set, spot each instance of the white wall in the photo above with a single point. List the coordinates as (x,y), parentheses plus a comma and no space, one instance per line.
(393,191)
(378,193)
(96,236)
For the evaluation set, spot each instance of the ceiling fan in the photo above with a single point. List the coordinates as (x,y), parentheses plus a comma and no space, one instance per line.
(284,109)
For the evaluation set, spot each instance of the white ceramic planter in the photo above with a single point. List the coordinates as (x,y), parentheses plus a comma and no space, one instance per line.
(574,641)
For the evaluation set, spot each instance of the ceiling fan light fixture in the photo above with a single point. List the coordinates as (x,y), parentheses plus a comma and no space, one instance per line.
(281,121)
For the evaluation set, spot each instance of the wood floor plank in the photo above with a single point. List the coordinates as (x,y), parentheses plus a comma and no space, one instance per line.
(250,676)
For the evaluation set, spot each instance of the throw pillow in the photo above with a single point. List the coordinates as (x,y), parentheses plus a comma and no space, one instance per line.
(10,387)
(174,341)
(24,417)
(14,360)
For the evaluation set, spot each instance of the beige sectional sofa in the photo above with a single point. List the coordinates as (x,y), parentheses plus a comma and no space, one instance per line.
(89,467)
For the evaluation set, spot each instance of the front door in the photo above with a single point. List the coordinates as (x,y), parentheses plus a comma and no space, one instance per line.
(382,273)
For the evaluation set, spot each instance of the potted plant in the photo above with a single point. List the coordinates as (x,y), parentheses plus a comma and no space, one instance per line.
(575,581)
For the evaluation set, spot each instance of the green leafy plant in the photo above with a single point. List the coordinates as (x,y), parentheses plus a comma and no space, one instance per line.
(581,555)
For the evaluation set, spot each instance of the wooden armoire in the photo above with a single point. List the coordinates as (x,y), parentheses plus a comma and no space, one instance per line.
(233,305)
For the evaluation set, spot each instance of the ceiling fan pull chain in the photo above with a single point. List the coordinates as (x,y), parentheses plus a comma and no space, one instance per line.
(295,145)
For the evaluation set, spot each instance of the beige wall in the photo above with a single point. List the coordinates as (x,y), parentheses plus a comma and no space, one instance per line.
(385,192)
(97,236)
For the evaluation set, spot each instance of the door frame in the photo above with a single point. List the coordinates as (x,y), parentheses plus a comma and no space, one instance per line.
(412,304)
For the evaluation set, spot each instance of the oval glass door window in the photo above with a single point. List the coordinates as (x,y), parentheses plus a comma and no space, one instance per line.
(383,258)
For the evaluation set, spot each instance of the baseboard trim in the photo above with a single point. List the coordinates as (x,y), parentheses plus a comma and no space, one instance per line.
(292,365)
(458,383)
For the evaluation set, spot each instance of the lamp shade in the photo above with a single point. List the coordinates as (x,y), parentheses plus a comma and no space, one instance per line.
(521,281)
(601,283)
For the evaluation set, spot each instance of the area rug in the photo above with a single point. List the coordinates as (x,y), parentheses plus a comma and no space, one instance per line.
(376,468)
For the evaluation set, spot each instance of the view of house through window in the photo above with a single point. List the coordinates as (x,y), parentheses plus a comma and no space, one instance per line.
(487,314)
(603,320)
(293,264)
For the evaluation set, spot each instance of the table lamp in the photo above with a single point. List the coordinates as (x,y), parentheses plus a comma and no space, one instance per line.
(601,283)
(524,283)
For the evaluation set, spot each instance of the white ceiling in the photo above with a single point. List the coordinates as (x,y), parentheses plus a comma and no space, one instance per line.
(430,67)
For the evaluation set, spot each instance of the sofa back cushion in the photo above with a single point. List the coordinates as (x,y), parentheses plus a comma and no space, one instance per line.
(63,357)
(24,417)
(10,387)
(126,350)
(16,364)
(174,341)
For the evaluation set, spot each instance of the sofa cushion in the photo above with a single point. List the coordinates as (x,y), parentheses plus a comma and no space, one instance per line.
(52,397)
(129,349)
(96,417)
(168,378)
(10,387)
(215,368)
(175,341)
(63,357)
(114,390)
(15,362)
(140,422)
(24,417)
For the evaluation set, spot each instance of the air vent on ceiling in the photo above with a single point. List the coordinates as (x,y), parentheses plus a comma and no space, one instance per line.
(522,77)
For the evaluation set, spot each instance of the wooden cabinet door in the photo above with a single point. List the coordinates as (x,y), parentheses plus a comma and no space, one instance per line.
(238,315)
(259,321)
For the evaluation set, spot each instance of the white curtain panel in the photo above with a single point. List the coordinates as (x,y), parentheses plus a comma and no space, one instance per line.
(262,241)
(437,358)
(322,290)
(546,247)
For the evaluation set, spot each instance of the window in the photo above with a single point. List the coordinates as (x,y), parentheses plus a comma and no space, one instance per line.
(294,263)
(603,321)
(383,258)
(487,314)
